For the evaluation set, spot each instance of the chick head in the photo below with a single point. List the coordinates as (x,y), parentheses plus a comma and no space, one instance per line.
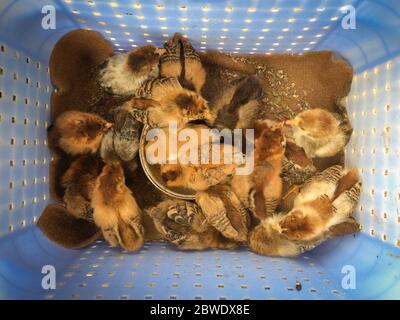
(82,124)
(143,60)
(193,106)
(315,122)
(112,180)
(295,225)
(81,132)
(269,140)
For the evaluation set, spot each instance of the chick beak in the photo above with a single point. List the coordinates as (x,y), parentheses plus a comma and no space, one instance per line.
(277,227)
(108,125)
(208,117)
(292,122)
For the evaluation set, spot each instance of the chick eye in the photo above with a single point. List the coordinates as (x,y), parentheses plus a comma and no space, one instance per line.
(301,126)
(81,132)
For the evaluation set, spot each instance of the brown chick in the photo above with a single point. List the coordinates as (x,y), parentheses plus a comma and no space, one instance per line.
(78,182)
(319,133)
(193,74)
(261,190)
(198,176)
(224,211)
(121,143)
(232,105)
(201,135)
(322,210)
(296,167)
(166,101)
(180,60)
(267,241)
(326,200)
(80,132)
(183,224)
(185,170)
(124,74)
(170,60)
(115,209)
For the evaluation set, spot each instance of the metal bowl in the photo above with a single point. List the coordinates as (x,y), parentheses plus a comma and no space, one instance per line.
(154,175)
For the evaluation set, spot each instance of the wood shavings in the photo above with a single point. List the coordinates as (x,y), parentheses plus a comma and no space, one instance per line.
(281,100)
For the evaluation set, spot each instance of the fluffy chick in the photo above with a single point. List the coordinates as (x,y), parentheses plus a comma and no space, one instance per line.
(224,211)
(296,167)
(170,60)
(322,210)
(181,152)
(180,60)
(121,143)
(264,239)
(80,132)
(261,190)
(198,176)
(326,200)
(319,133)
(183,224)
(184,167)
(115,209)
(193,74)
(231,107)
(78,182)
(165,101)
(124,74)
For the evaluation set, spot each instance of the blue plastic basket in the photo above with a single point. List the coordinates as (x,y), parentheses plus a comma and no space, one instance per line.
(159,271)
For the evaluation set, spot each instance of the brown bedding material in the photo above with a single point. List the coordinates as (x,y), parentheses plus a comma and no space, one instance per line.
(63,228)
(315,80)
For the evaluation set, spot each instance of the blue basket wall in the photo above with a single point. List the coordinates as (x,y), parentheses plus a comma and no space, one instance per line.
(159,271)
